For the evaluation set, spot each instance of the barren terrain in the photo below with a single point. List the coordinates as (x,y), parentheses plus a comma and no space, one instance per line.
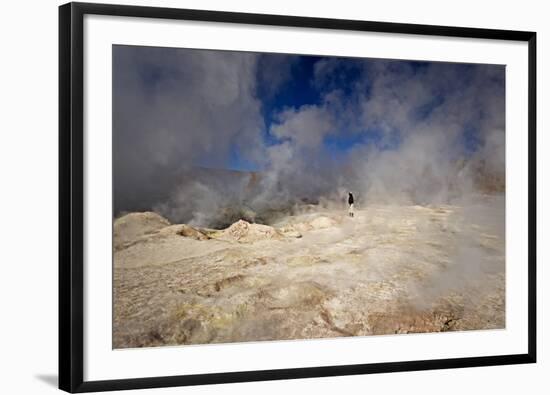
(390,269)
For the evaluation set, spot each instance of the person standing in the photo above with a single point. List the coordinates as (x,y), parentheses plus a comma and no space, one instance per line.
(350,202)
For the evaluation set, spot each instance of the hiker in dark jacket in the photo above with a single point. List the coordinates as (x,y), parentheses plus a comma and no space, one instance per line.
(350,202)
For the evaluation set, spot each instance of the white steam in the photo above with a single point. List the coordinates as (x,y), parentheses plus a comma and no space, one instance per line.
(176,110)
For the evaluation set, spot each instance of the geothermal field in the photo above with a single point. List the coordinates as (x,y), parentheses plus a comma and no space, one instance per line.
(314,273)
(232,175)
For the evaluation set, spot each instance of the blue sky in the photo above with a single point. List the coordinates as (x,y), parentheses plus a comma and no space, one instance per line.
(300,88)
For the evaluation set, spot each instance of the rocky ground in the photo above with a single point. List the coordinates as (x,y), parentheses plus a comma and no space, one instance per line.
(391,269)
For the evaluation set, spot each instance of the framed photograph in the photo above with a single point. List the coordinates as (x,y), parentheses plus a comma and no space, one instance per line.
(249,197)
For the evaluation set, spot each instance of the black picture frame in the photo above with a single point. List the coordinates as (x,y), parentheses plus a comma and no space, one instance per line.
(71,204)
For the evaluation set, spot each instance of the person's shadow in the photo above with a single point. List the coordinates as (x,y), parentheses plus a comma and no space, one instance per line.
(50,379)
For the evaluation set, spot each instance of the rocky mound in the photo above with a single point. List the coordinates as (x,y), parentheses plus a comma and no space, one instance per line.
(246,232)
(185,231)
(132,226)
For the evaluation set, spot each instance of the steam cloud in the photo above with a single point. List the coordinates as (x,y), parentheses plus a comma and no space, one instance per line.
(388,130)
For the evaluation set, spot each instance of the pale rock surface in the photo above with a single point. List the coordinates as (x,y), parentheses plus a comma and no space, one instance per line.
(243,231)
(131,226)
(390,270)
